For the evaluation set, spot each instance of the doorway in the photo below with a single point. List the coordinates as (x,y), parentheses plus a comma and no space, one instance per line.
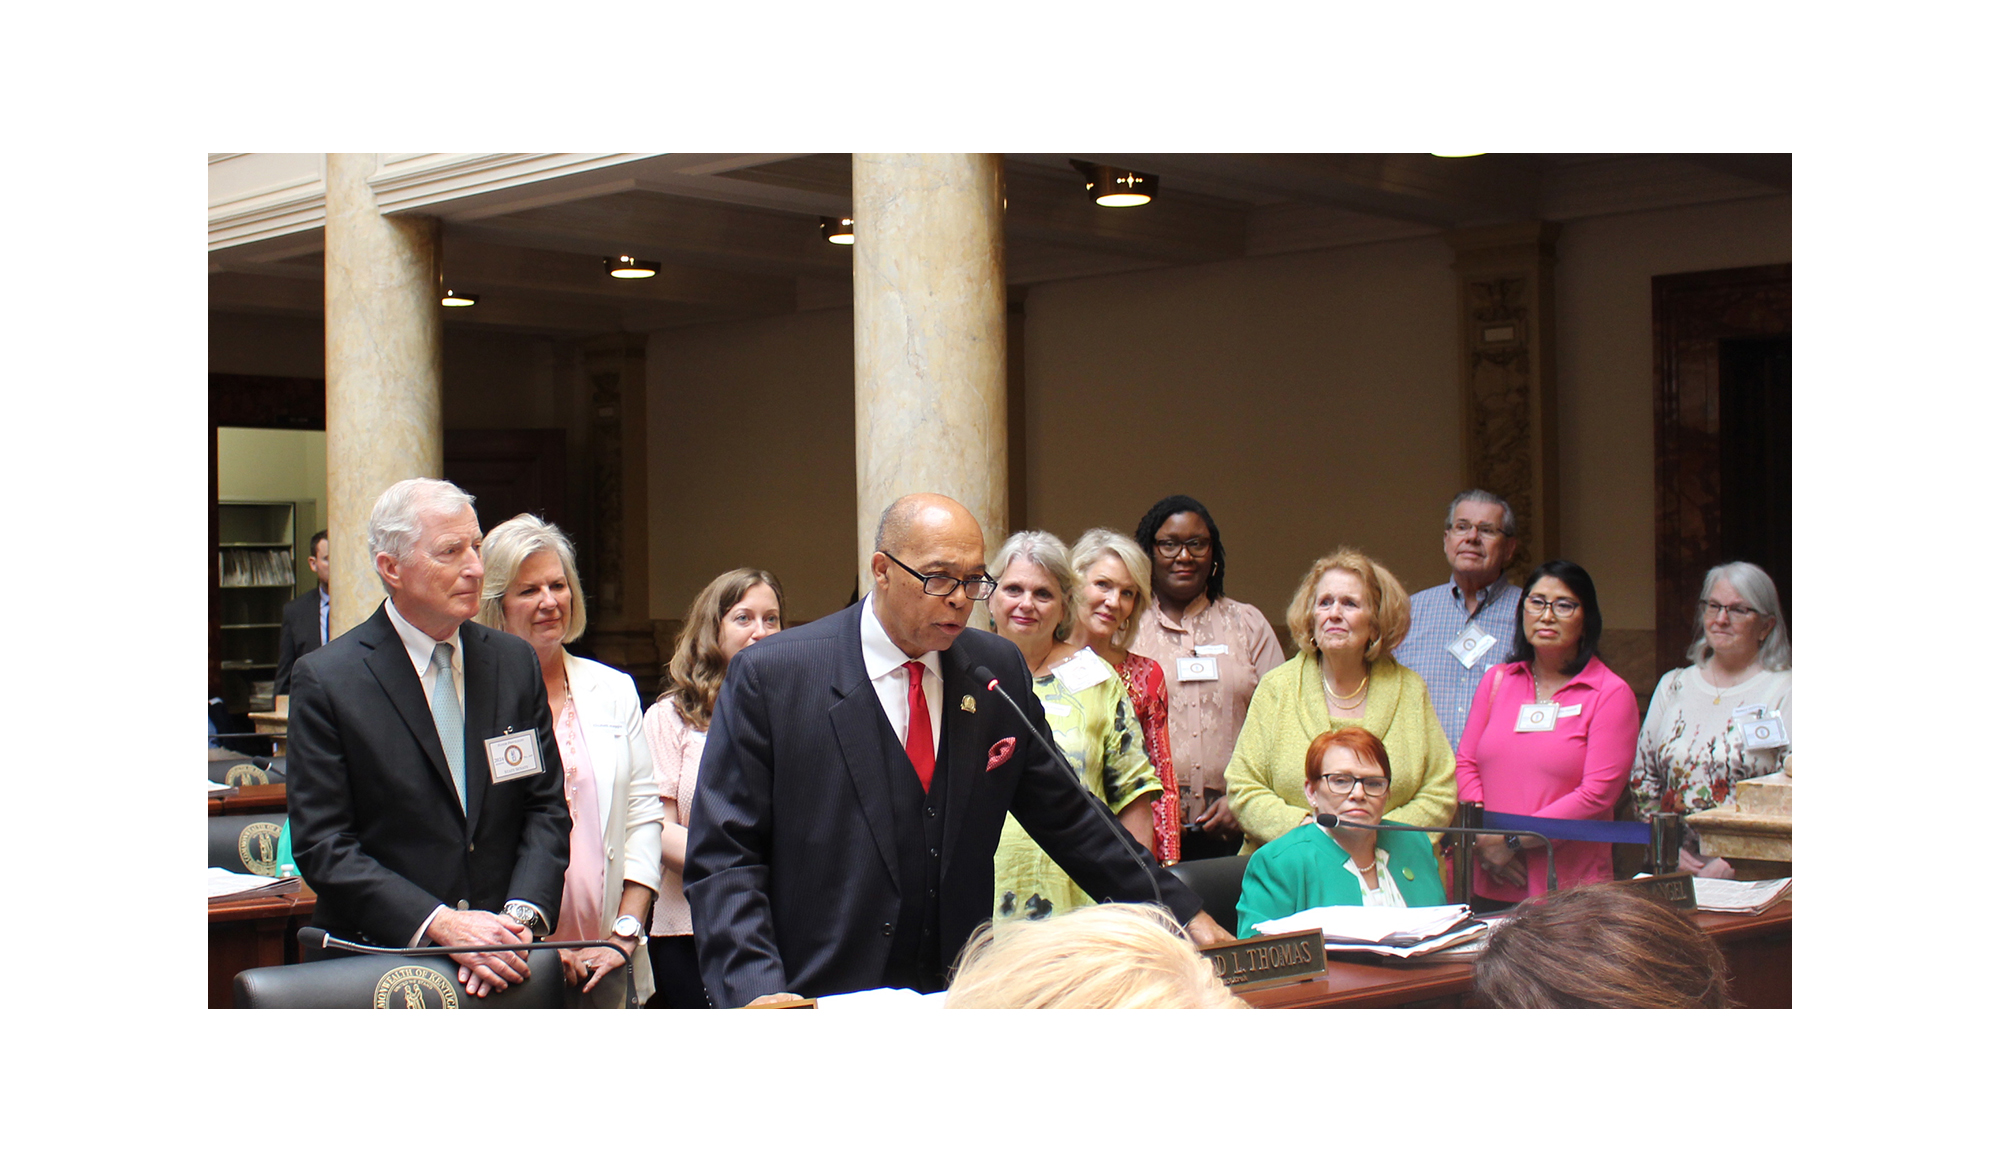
(1722,435)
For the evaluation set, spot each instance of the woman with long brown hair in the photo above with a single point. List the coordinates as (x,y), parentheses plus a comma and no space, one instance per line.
(736,610)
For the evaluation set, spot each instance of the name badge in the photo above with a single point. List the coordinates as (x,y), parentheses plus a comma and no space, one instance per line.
(1537,717)
(1569,710)
(1764,733)
(1471,645)
(1197,668)
(1211,650)
(1082,671)
(513,755)
(1742,711)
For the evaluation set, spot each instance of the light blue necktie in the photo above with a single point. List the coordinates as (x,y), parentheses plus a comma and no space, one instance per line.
(450,721)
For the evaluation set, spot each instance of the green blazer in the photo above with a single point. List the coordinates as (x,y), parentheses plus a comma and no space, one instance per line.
(1306,868)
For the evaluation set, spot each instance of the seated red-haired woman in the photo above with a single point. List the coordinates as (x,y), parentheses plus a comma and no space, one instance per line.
(1347,776)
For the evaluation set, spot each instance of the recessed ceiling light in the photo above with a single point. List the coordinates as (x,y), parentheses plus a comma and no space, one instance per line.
(1458,155)
(1117,188)
(627,266)
(454,298)
(839,231)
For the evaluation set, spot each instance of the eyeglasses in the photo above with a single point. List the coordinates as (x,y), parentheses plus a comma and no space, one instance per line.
(939,584)
(1734,611)
(1168,549)
(1563,605)
(1485,531)
(1341,783)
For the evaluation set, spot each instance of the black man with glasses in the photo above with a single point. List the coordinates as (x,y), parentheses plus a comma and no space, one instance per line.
(1551,734)
(1460,629)
(1347,775)
(856,779)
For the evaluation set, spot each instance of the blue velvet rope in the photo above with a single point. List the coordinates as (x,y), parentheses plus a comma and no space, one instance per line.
(1571,830)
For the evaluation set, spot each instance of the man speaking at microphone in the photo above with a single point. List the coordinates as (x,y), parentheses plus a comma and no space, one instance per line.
(856,777)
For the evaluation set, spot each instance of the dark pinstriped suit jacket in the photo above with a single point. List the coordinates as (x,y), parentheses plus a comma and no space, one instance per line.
(791,867)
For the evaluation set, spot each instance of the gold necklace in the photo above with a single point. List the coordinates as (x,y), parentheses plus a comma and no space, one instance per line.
(1350,702)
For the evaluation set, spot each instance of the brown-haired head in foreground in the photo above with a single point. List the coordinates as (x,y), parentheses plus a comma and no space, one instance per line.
(1092,958)
(1602,945)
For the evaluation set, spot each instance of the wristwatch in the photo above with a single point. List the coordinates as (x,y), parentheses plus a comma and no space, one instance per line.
(526,915)
(629,926)
(1514,842)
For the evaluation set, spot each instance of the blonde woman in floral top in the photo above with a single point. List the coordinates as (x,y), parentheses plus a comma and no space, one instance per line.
(1700,736)
(1090,718)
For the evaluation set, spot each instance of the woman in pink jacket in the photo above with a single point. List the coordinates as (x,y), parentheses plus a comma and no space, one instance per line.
(1551,734)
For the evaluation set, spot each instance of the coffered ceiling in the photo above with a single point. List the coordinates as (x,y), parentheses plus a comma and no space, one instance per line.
(738,236)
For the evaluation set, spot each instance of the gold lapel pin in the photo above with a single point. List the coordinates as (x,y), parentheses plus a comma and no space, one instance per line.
(967,704)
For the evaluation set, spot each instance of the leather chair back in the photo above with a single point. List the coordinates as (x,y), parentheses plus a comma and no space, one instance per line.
(245,843)
(391,983)
(1219,882)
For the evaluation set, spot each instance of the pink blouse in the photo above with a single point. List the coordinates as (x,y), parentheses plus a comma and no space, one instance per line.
(583,880)
(1576,770)
(676,748)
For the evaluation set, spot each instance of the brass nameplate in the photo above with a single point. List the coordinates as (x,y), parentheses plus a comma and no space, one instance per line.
(1271,958)
(1676,889)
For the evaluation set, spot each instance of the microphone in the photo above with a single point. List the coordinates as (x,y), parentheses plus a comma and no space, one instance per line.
(1335,821)
(1102,811)
(335,942)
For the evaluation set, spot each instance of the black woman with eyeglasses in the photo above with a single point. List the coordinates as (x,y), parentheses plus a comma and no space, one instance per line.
(1551,734)
(1213,651)
(1347,775)
(1726,716)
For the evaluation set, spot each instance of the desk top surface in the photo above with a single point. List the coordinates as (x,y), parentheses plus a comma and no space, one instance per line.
(1388,982)
(277,906)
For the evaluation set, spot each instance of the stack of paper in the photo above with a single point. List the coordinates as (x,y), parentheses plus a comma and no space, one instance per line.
(1400,932)
(1732,897)
(216,789)
(228,886)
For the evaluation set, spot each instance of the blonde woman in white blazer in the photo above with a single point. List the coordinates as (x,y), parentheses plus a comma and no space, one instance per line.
(531,590)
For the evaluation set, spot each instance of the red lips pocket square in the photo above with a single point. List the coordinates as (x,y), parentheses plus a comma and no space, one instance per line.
(998,756)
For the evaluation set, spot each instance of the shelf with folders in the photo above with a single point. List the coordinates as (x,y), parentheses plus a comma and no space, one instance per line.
(256,575)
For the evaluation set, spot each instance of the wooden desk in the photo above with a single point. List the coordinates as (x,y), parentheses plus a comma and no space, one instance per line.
(1758,948)
(252,932)
(250,799)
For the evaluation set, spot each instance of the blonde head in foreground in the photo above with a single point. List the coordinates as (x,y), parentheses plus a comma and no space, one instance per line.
(1115,955)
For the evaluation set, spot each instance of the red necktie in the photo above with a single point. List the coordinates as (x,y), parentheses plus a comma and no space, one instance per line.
(918,743)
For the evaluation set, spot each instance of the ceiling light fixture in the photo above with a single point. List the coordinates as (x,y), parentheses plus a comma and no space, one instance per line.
(454,298)
(839,231)
(626,266)
(1111,186)
(1458,155)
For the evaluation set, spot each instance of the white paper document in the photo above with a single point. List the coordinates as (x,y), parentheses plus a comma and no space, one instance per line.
(1371,924)
(1733,897)
(224,885)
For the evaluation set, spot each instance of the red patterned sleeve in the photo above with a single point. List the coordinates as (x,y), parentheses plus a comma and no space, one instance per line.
(1146,682)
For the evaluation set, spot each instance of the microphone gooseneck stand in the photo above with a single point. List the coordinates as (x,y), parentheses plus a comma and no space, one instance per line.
(1100,810)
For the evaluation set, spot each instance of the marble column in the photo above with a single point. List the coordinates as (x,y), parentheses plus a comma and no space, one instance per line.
(384,369)
(930,336)
(1506,294)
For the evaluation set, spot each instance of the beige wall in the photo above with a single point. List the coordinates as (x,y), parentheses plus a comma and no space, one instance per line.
(1309,400)
(1604,361)
(750,438)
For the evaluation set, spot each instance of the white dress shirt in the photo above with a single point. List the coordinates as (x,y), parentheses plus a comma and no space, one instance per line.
(420,647)
(884,663)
